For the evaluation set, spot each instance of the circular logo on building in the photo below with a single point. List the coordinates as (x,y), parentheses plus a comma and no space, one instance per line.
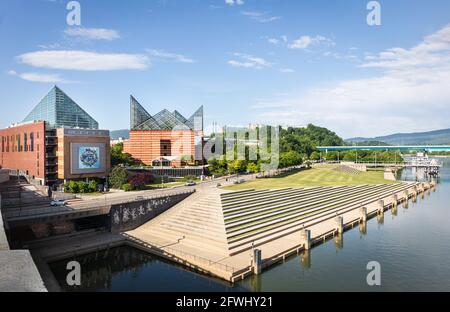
(89,157)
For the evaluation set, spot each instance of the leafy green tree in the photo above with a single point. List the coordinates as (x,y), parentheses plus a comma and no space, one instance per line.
(291,158)
(118,177)
(314,156)
(118,157)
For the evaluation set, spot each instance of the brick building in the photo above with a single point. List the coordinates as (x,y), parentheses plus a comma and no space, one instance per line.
(165,139)
(57,141)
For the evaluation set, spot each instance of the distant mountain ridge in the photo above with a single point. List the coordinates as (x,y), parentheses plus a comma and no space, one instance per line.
(436,137)
(123,133)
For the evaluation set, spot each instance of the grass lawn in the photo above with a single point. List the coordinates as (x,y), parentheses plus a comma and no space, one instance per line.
(323,175)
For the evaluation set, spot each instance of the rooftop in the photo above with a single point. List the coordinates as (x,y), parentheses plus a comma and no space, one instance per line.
(59,110)
(140,119)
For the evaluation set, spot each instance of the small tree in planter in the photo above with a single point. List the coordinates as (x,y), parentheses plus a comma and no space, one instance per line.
(139,181)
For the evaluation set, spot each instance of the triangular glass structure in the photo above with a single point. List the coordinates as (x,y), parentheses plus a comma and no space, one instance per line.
(195,122)
(138,114)
(164,120)
(60,111)
(179,116)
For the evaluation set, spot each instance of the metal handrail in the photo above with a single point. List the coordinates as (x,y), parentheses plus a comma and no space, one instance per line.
(197,258)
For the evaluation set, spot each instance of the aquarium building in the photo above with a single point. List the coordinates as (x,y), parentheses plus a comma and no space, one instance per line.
(56,142)
(166,139)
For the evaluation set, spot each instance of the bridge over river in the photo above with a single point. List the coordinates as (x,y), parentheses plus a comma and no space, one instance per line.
(430,148)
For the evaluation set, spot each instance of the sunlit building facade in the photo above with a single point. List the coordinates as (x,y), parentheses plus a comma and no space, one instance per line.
(165,139)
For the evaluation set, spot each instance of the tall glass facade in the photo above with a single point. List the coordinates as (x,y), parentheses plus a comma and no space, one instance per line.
(60,111)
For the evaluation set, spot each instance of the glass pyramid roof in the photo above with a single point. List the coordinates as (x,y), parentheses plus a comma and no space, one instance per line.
(164,120)
(60,111)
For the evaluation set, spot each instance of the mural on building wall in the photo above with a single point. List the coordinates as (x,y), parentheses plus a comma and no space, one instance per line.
(89,158)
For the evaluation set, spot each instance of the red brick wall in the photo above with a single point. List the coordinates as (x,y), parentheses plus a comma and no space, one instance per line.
(145,146)
(31,161)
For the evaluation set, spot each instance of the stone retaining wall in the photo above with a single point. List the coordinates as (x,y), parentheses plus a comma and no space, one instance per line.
(129,216)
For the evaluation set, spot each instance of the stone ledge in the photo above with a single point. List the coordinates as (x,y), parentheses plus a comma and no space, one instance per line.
(18,273)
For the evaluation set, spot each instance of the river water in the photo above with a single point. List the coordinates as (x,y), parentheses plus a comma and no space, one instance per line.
(412,248)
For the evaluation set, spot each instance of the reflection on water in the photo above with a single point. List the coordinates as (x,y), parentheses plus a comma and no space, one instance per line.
(129,269)
(410,242)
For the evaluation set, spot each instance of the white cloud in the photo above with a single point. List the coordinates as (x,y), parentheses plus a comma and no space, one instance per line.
(249,61)
(163,55)
(84,61)
(274,41)
(306,41)
(260,16)
(287,70)
(433,50)
(412,94)
(234,2)
(92,33)
(38,77)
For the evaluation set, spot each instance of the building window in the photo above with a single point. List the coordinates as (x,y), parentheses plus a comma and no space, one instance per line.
(3,144)
(31,142)
(19,147)
(25,142)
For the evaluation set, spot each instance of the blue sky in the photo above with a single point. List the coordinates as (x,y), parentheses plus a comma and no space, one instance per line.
(283,62)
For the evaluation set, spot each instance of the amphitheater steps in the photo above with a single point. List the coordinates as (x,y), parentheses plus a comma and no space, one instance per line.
(282,230)
(197,221)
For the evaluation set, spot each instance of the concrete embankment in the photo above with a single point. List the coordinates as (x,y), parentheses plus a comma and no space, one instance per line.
(18,273)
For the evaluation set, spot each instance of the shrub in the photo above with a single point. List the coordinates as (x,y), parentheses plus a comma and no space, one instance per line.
(138,182)
(80,187)
(252,167)
(71,187)
(92,186)
(83,187)
(189,178)
(127,187)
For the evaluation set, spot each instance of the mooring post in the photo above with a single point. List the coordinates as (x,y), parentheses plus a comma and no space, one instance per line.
(363,214)
(305,236)
(395,197)
(380,208)
(406,193)
(257,261)
(339,224)
(415,190)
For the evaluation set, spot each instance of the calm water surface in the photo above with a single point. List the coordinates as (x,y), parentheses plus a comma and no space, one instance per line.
(412,247)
